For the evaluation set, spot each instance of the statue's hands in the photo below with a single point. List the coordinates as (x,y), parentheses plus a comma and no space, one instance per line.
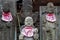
(21,37)
(57,25)
(36,30)
(36,34)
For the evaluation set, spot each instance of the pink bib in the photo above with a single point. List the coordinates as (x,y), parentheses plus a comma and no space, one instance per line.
(51,17)
(7,17)
(27,31)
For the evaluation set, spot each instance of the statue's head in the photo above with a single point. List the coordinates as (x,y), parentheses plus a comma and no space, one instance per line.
(6,7)
(28,21)
(6,10)
(50,7)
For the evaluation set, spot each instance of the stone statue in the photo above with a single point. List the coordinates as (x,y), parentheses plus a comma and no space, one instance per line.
(49,22)
(28,30)
(7,24)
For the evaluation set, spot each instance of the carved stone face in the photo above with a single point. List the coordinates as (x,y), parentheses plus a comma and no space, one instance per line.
(6,7)
(50,7)
(28,21)
(50,4)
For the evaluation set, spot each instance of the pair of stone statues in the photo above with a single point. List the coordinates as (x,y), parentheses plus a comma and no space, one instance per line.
(29,32)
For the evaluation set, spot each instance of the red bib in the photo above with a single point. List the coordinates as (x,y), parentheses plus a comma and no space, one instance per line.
(7,16)
(27,31)
(51,17)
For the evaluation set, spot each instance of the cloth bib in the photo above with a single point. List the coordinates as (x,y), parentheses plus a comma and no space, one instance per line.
(51,17)
(27,31)
(7,17)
